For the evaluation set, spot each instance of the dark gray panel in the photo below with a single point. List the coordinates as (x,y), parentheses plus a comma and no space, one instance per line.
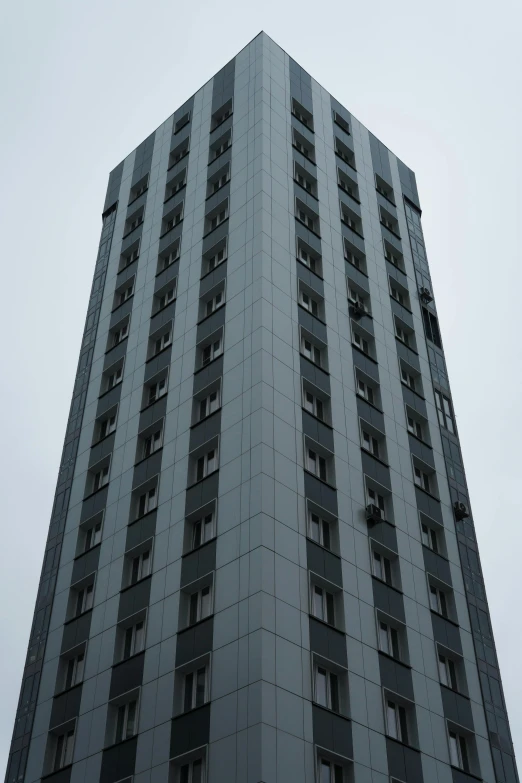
(324,563)
(127,675)
(366,365)
(320,493)
(332,731)
(205,430)
(94,503)
(375,469)
(207,375)
(76,631)
(134,598)
(210,324)
(141,530)
(380,159)
(115,354)
(457,708)
(66,706)
(113,187)
(156,365)
(194,641)
(328,642)
(436,565)
(312,280)
(385,534)
(213,278)
(168,275)
(315,375)
(146,469)
(223,193)
(408,183)
(190,730)
(198,563)
(396,677)
(388,600)
(85,564)
(312,325)
(201,493)
(318,431)
(428,505)
(404,763)
(118,761)
(370,414)
(101,450)
(446,633)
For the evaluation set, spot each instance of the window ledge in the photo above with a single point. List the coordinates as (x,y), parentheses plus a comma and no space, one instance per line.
(143,516)
(217,191)
(356,267)
(326,483)
(124,660)
(127,266)
(163,308)
(143,459)
(321,421)
(101,440)
(175,194)
(358,233)
(121,304)
(325,549)
(206,418)
(159,353)
(367,355)
(175,132)
(213,270)
(309,313)
(392,587)
(348,194)
(215,359)
(392,658)
(397,236)
(194,625)
(178,161)
(77,557)
(448,619)
(406,345)
(307,267)
(344,130)
(360,397)
(216,228)
(310,160)
(171,229)
(426,492)
(91,494)
(103,394)
(221,122)
(198,548)
(76,617)
(121,742)
(311,230)
(167,267)
(206,317)
(150,404)
(345,161)
(396,266)
(416,393)
(424,443)
(192,709)
(115,346)
(220,154)
(137,582)
(329,710)
(199,481)
(308,128)
(327,625)
(378,459)
(404,744)
(131,231)
(67,690)
(314,364)
(387,198)
(308,192)
(463,771)
(452,690)
(137,197)
(57,771)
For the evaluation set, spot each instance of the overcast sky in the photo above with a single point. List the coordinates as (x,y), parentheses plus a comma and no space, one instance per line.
(85,82)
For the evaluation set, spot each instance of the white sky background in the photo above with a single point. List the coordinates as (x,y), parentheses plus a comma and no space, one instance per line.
(83,83)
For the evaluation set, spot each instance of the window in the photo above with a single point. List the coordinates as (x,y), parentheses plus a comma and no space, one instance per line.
(307,217)
(306,257)
(126,721)
(305,180)
(313,404)
(375,499)
(341,122)
(438,601)
(133,640)
(84,598)
(133,222)
(218,181)
(444,411)
(178,153)
(176,184)
(203,530)
(217,257)
(330,772)
(124,293)
(160,343)
(316,464)
(408,379)
(100,478)
(172,220)
(206,464)
(208,404)
(220,146)
(63,752)
(92,536)
(431,325)
(370,443)
(414,426)
(365,391)
(396,722)
(447,672)
(308,302)
(458,751)
(221,115)
(326,688)
(384,189)
(323,605)
(389,221)
(195,689)
(140,567)
(213,304)
(168,259)
(184,120)
(148,501)
(348,185)
(139,189)
(353,258)
(216,217)
(361,342)
(302,114)
(200,605)
(311,351)
(212,350)
(319,529)
(303,146)
(429,537)
(393,256)
(355,297)
(344,152)
(129,258)
(421,479)
(389,640)
(157,390)
(164,298)
(402,334)
(74,671)
(351,220)
(399,294)
(119,335)
(382,567)
(191,772)
(106,426)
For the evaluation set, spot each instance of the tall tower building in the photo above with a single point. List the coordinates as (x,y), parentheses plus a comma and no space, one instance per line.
(261,564)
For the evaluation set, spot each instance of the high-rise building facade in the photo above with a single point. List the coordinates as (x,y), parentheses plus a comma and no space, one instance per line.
(261,564)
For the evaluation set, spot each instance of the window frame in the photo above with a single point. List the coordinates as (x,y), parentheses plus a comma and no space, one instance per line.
(196,608)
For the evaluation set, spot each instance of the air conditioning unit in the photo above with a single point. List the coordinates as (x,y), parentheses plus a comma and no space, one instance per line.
(425,294)
(461,510)
(374,513)
(358,309)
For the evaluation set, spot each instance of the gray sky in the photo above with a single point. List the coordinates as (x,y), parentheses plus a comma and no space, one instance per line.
(85,83)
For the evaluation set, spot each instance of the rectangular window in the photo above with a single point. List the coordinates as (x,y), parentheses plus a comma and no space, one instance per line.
(212,351)
(313,405)
(195,689)
(140,567)
(92,536)
(408,379)
(218,181)
(421,479)
(123,294)
(203,530)
(129,259)
(307,218)
(184,120)
(360,342)
(311,351)
(429,537)
(152,443)
(354,259)
(316,464)
(402,334)
(389,640)
(206,464)
(308,303)
(169,259)
(330,772)
(133,223)
(133,640)
(382,567)
(341,122)
(157,390)
(351,220)
(305,257)
(365,391)
(302,114)
(370,443)
(319,530)
(303,146)
(458,751)
(120,335)
(147,502)
(165,298)
(438,601)
(348,185)
(74,671)
(100,479)
(389,221)
(178,153)
(220,146)
(399,296)
(192,772)
(355,297)
(214,303)
(323,605)
(222,114)
(444,411)
(396,722)
(107,426)
(384,189)
(431,326)
(172,220)
(176,185)
(160,343)
(345,153)
(126,721)
(326,688)
(393,256)
(200,605)
(217,257)
(84,600)
(375,499)
(63,754)
(414,426)
(208,405)
(447,672)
